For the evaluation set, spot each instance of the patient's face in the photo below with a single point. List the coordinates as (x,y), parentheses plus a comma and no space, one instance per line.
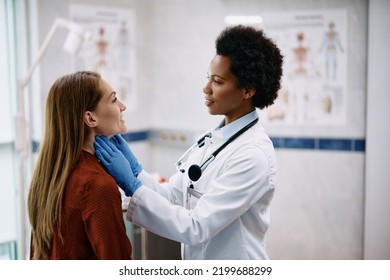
(109,113)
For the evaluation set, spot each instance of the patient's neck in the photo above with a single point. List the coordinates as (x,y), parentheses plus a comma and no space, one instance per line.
(88,143)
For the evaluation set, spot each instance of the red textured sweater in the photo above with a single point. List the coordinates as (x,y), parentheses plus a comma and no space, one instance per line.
(92,225)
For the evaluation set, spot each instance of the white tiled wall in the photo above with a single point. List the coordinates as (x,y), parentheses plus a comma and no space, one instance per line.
(317,213)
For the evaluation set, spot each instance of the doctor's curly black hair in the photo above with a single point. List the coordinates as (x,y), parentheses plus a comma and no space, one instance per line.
(255,61)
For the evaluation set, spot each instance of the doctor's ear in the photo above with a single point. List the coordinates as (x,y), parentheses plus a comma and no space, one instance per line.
(89,119)
(249,92)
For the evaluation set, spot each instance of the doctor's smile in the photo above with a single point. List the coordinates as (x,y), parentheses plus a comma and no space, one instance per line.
(208,102)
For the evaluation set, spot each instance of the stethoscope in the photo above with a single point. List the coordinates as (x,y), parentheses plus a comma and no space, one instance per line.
(195,171)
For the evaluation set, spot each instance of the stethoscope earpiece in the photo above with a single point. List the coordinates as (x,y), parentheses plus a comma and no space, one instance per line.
(194,172)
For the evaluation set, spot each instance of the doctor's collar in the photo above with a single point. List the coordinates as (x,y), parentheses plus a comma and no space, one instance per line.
(231,128)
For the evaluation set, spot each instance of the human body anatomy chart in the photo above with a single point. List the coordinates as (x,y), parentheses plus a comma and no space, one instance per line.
(314,89)
(111,48)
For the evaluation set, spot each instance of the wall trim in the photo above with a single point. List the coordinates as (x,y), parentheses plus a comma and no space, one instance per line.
(306,143)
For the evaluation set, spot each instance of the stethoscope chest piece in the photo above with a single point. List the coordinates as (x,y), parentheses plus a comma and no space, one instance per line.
(194,172)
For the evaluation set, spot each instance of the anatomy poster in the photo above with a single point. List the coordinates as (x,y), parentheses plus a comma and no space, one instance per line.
(110,50)
(314,87)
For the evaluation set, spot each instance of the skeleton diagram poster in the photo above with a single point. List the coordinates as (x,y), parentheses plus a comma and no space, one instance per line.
(110,50)
(314,87)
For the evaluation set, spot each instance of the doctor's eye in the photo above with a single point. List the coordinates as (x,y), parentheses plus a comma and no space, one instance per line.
(217,82)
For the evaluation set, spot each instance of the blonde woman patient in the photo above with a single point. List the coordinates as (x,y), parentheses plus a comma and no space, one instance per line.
(74,205)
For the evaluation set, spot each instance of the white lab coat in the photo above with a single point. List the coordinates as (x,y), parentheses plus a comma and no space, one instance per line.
(231,218)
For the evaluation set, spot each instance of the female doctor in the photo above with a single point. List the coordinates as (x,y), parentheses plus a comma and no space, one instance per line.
(217,204)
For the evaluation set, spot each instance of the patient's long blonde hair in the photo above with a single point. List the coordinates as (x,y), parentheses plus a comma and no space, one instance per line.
(64,135)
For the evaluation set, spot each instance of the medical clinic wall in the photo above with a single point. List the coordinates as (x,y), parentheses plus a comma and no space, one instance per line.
(317,212)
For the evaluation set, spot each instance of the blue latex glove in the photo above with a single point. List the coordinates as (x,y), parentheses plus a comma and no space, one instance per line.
(116,165)
(121,144)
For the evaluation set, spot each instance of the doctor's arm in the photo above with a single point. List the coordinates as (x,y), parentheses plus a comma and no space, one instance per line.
(244,183)
(111,155)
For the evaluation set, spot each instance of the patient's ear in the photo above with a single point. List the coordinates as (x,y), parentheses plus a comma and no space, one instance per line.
(89,119)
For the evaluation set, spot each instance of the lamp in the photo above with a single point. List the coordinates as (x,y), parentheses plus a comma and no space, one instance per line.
(23,139)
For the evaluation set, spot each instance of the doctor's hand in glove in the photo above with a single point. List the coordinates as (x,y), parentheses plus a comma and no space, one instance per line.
(117,165)
(121,144)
